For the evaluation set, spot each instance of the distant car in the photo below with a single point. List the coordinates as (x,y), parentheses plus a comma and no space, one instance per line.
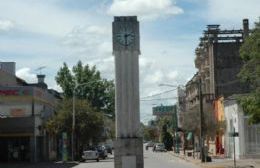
(90,155)
(149,144)
(159,147)
(102,152)
(108,148)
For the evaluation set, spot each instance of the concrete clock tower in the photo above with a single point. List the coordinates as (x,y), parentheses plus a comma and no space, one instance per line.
(126,49)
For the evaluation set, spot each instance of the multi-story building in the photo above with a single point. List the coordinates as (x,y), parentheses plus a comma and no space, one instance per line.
(24,108)
(218,63)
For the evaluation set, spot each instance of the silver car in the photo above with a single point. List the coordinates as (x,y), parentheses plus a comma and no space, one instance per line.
(159,147)
(90,155)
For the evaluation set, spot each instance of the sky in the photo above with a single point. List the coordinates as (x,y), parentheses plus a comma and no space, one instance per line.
(36,33)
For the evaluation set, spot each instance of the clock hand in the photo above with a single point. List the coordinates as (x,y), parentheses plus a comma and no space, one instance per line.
(125,39)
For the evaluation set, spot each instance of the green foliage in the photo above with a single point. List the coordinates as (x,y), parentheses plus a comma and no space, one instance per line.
(150,134)
(166,138)
(250,73)
(165,121)
(251,106)
(89,122)
(164,124)
(99,92)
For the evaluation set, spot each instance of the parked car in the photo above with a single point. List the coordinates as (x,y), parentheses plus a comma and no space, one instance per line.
(159,147)
(150,144)
(102,152)
(108,148)
(90,155)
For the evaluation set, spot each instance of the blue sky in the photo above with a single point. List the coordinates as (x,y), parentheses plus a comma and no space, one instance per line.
(36,33)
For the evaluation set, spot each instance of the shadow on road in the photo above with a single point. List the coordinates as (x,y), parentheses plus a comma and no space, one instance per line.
(38,165)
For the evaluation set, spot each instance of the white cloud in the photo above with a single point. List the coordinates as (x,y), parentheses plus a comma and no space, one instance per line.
(87,38)
(43,17)
(172,75)
(154,77)
(56,87)
(230,13)
(146,9)
(26,74)
(6,25)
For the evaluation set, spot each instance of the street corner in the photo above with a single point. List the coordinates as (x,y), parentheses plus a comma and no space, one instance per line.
(227,166)
(184,158)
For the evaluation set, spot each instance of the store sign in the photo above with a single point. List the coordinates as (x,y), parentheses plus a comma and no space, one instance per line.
(14,92)
(17,112)
(164,110)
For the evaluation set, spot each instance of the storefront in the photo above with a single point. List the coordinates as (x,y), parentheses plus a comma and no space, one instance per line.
(15,149)
(24,109)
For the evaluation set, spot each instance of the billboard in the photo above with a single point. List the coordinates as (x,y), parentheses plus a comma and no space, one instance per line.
(164,110)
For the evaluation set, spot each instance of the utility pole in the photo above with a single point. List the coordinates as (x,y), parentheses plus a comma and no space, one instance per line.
(73,116)
(234,141)
(202,154)
(176,132)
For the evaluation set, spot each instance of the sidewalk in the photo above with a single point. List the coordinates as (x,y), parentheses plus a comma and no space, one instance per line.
(221,163)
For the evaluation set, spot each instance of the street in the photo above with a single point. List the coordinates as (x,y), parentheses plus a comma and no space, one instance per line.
(151,160)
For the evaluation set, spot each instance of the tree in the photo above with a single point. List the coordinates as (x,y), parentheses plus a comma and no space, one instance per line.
(250,73)
(166,138)
(89,121)
(150,134)
(99,92)
(94,102)
(164,124)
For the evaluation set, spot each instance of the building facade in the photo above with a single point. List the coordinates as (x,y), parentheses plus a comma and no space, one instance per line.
(24,109)
(218,63)
(247,143)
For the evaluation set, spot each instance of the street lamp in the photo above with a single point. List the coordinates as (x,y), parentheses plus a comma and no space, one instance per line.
(73,115)
(176,120)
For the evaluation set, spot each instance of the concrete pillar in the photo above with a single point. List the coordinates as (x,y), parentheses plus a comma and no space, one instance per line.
(33,149)
(128,144)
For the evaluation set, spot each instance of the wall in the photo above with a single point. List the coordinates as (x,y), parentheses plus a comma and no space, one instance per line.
(227,65)
(7,79)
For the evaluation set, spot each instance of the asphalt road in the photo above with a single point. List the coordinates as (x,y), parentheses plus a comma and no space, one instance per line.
(151,160)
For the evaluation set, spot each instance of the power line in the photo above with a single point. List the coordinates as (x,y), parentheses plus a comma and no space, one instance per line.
(158,94)
(168,98)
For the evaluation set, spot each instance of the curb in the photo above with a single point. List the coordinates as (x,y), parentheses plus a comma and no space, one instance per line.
(203,165)
(198,163)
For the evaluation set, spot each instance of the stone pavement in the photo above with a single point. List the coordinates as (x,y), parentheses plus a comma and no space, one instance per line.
(221,163)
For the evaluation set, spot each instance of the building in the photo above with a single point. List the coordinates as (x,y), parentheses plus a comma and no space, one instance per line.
(24,108)
(247,143)
(218,63)
(180,105)
(220,127)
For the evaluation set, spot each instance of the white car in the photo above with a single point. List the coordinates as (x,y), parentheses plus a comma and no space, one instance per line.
(90,155)
(159,147)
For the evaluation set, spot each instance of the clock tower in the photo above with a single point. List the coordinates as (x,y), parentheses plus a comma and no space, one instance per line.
(126,49)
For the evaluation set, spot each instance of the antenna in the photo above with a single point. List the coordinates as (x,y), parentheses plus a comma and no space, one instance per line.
(40,69)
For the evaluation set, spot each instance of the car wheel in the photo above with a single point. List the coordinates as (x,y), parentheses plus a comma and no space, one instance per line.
(97,159)
(82,160)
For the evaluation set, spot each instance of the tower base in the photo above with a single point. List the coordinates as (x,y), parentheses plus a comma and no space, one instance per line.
(128,153)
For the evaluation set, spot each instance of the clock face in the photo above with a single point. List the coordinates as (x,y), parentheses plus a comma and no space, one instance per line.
(125,36)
